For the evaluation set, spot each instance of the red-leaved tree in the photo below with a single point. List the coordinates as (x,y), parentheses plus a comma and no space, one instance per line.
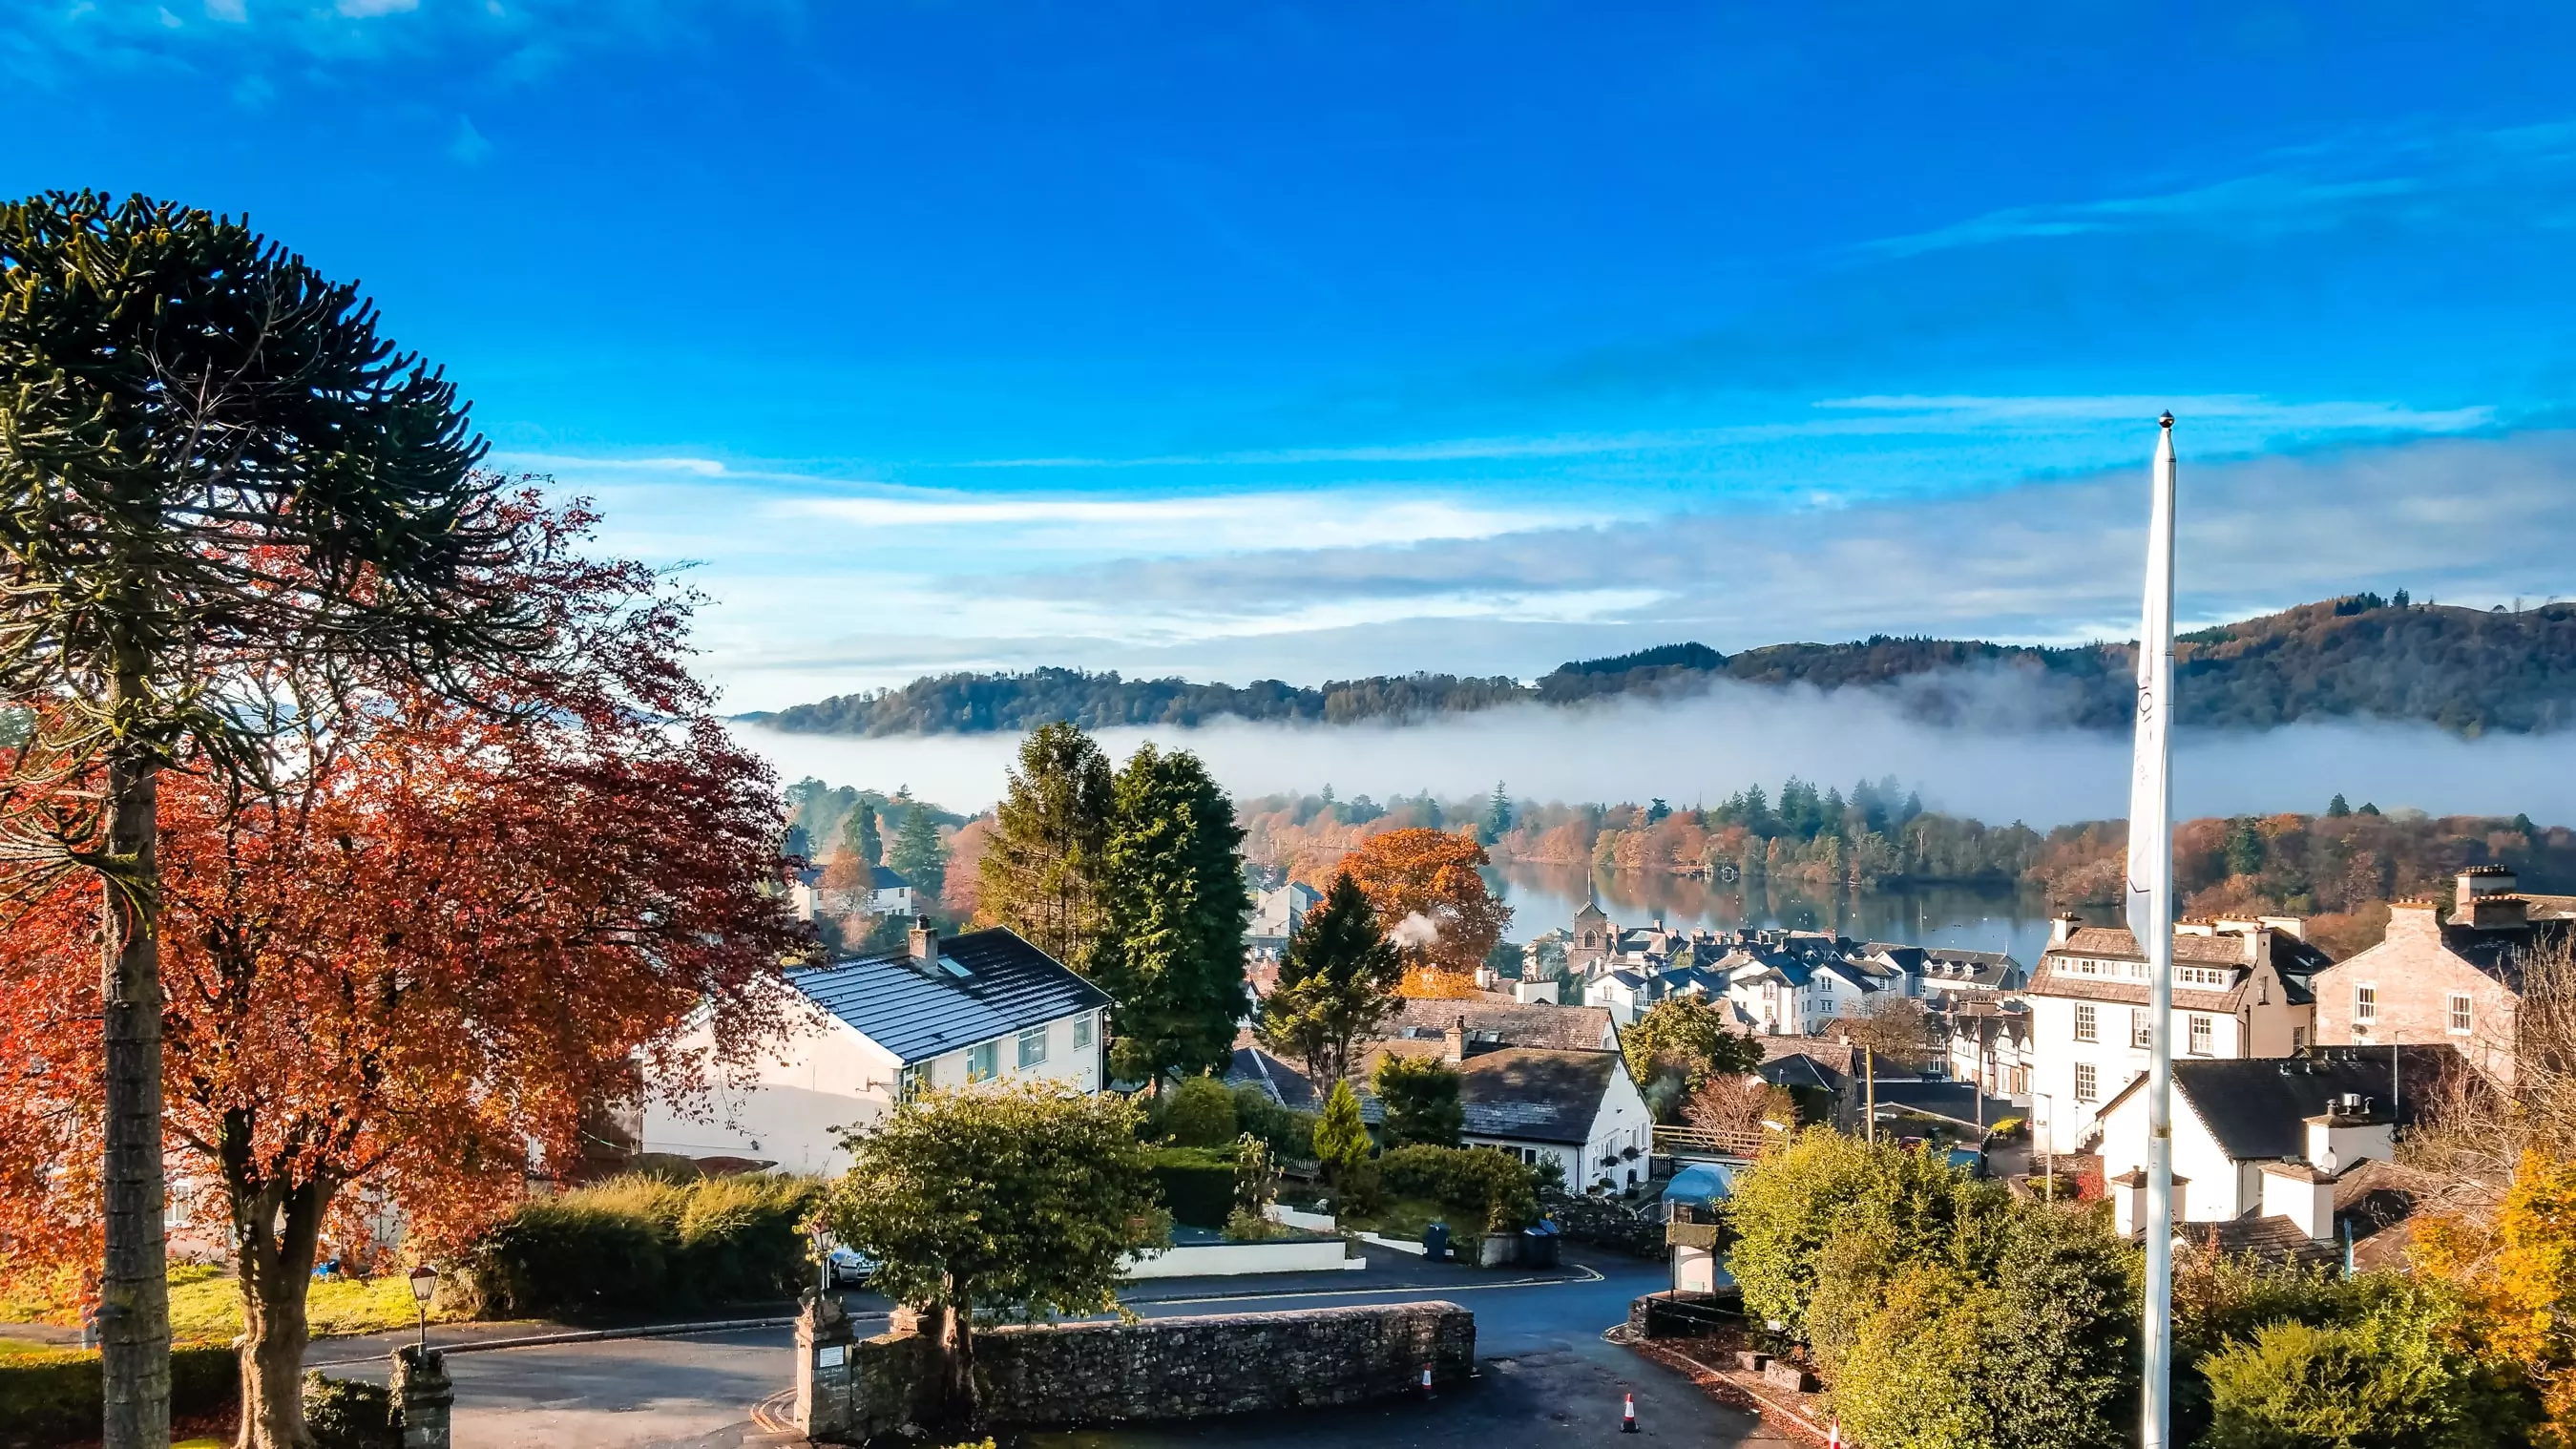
(413,961)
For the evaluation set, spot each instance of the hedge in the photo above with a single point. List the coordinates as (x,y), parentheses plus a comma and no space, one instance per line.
(1493,1191)
(349,1414)
(49,1398)
(643,1244)
(1197,1184)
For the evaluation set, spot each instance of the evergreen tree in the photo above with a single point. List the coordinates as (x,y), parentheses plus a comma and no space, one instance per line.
(1498,813)
(2336,809)
(1341,1138)
(1038,872)
(918,856)
(1336,984)
(1657,810)
(1421,1100)
(1172,909)
(859,834)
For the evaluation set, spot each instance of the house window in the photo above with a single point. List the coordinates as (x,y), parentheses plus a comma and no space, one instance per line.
(2086,1029)
(2298,1040)
(2141,1028)
(2365,1007)
(1033,1046)
(983,1060)
(1082,1031)
(2460,1017)
(2201,1032)
(2088,1085)
(912,1081)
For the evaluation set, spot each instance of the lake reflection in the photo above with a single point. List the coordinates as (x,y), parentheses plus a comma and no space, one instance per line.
(1977,918)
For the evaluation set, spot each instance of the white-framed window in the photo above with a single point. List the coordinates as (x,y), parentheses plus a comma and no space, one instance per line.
(2088,1083)
(2460,1015)
(2141,1028)
(912,1081)
(2365,1007)
(2202,1033)
(1082,1031)
(2087,1028)
(2201,975)
(983,1061)
(1033,1046)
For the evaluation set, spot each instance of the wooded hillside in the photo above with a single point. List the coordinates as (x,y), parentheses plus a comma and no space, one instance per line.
(2466,670)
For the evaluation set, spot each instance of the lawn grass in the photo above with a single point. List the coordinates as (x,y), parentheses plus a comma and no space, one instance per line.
(205,1306)
(1398,1217)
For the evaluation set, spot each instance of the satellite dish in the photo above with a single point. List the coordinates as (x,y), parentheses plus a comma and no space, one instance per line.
(2326,1162)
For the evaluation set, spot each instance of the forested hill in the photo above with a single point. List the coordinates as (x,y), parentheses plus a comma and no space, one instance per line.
(2466,670)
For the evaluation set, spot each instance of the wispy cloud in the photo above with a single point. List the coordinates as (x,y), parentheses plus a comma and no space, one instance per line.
(1219,523)
(2375,175)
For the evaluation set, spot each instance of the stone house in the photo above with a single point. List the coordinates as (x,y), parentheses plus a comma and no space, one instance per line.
(1592,943)
(2240,990)
(887,893)
(985,1006)
(2456,981)
(1276,914)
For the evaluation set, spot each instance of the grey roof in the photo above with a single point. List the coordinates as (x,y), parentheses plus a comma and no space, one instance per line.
(2258,1107)
(1278,1080)
(1524,1092)
(1512,1023)
(1007,985)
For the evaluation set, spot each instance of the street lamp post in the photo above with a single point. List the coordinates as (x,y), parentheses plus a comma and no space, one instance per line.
(424,1283)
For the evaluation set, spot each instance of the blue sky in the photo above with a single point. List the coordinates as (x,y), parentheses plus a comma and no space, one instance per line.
(1246,340)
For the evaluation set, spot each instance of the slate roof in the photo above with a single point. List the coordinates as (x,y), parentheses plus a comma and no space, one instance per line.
(2257,1108)
(1528,1093)
(1807,1061)
(2498,950)
(2275,1240)
(1007,985)
(1512,1023)
(1280,1080)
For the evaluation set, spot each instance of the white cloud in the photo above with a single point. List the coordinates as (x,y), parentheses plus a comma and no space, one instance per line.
(1194,524)
(231,11)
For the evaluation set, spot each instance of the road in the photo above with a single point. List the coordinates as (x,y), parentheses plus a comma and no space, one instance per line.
(1547,1378)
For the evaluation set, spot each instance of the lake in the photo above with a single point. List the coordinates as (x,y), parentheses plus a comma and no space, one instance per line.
(1972,917)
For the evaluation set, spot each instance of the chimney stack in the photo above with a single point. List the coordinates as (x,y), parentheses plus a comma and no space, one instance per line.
(2062,926)
(1453,1042)
(2482,880)
(924,942)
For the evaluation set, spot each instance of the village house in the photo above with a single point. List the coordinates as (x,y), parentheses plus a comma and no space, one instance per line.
(1990,1046)
(982,1007)
(2457,981)
(887,893)
(1276,914)
(2240,990)
(1779,993)
(2262,1145)
(1940,974)
(1591,944)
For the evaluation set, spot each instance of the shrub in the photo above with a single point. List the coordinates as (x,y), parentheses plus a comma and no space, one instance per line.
(53,1396)
(1421,1100)
(1249,1227)
(1490,1191)
(1341,1139)
(344,1414)
(2008,1126)
(2394,1376)
(1197,1184)
(638,1244)
(1198,1113)
(1290,1133)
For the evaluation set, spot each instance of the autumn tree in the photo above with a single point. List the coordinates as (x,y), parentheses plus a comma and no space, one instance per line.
(1337,983)
(997,1204)
(209,456)
(1429,894)
(423,940)
(1172,911)
(1746,1106)
(1039,870)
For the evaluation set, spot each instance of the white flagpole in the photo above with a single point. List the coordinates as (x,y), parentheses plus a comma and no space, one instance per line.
(2150,910)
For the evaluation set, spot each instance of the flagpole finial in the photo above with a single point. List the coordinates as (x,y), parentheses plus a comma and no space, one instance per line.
(2166,421)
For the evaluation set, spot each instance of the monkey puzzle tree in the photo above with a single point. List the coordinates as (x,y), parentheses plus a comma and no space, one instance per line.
(207,454)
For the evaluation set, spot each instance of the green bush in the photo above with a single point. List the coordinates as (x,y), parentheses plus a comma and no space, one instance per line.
(1488,1190)
(2395,1377)
(642,1244)
(53,1397)
(1420,1097)
(1197,1184)
(1198,1113)
(1290,1133)
(345,1414)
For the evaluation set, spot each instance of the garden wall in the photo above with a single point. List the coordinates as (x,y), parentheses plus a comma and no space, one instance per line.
(1161,1368)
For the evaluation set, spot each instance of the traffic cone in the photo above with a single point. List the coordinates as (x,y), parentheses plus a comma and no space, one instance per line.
(1426,1381)
(1836,1439)
(1628,1414)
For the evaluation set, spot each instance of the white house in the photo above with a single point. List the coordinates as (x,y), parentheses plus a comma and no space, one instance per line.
(2240,990)
(2240,1124)
(888,893)
(1624,993)
(1276,914)
(1577,1109)
(1780,994)
(984,1006)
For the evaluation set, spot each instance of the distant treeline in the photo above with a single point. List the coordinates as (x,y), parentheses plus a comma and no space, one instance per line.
(2466,670)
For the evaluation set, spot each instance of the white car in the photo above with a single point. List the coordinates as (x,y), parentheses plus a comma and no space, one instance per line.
(851,1268)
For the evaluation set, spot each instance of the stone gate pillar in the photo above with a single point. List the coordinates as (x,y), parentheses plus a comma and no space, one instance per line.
(424,1398)
(825,1408)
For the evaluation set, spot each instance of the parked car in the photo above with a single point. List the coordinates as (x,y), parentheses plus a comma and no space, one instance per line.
(851,1268)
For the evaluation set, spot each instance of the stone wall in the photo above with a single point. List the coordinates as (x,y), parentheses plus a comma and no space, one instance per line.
(1163,1368)
(1607,1223)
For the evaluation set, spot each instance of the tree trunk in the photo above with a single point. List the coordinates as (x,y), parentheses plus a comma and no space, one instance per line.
(957,1409)
(274,1261)
(134,1284)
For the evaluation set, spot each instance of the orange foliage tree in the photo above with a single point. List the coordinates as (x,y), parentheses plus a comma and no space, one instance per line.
(2517,1277)
(1427,888)
(421,955)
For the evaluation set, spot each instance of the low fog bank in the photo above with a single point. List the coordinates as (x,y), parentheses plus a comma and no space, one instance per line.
(1703,749)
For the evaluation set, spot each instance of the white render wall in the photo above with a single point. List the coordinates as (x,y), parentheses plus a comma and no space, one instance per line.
(824,1076)
(2217,1188)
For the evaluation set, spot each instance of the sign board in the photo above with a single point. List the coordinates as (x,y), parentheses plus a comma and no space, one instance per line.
(831,1355)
